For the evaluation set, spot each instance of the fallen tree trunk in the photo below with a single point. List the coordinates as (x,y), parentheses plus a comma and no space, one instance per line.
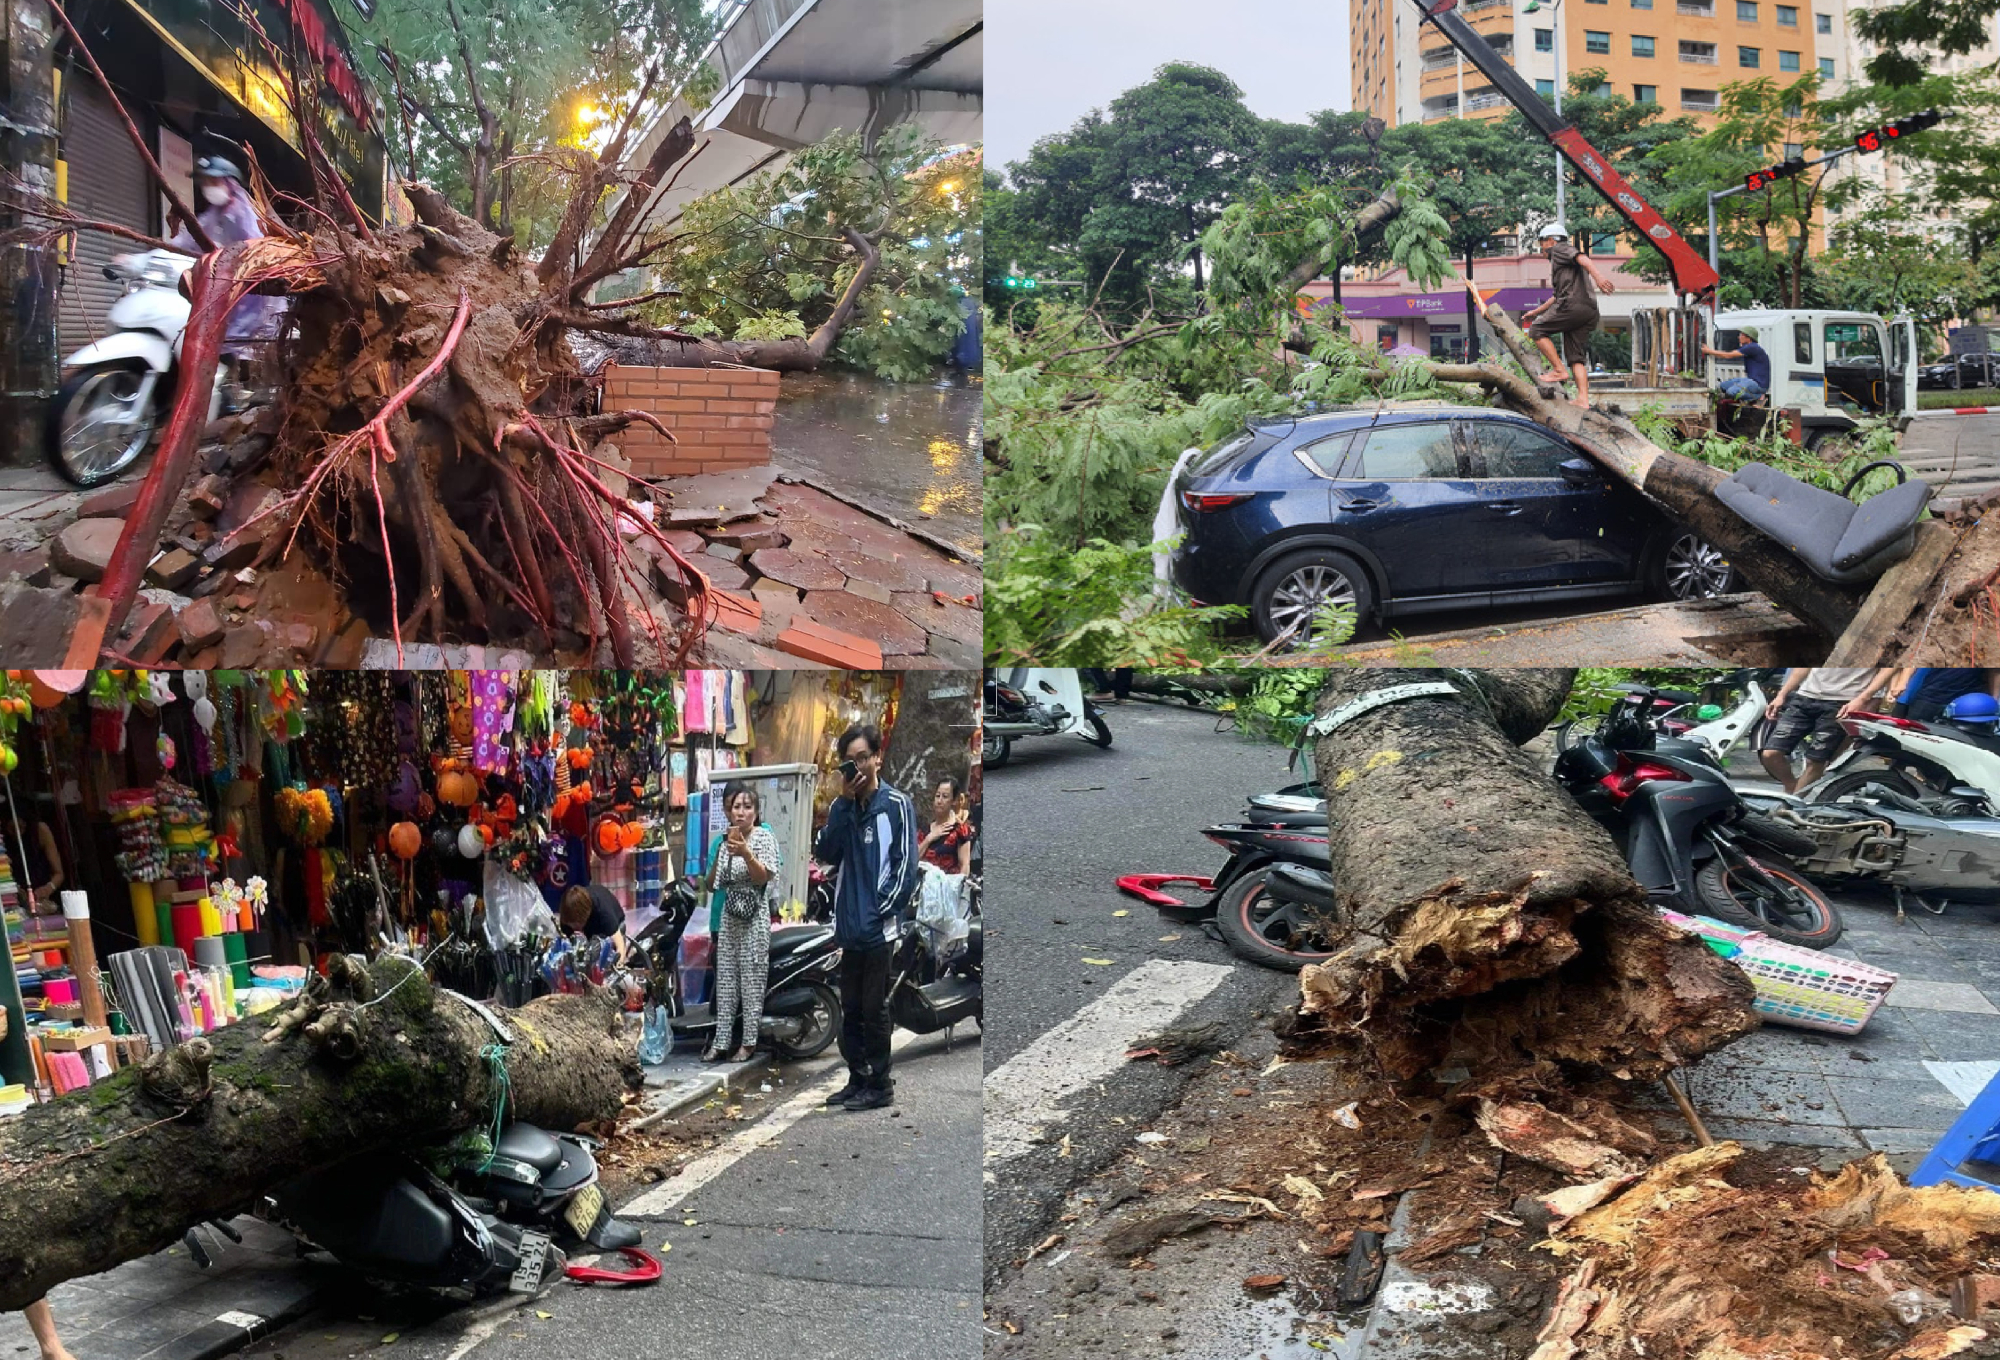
(376,1059)
(1486,922)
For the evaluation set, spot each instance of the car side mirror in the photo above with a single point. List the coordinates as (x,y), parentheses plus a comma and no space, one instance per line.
(1579,472)
(1969,794)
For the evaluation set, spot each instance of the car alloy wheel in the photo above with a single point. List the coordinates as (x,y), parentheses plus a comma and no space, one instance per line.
(1695,569)
(1300,595)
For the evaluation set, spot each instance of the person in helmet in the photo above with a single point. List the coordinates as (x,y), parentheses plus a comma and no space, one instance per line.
(1927,691)
(227,213)
(1570,314)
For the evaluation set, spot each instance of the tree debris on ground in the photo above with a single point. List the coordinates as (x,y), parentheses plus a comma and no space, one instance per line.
(367,1058)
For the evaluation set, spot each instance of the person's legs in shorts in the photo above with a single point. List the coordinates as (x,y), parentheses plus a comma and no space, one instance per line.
(1796,722)
(1576,353)
(1821,746)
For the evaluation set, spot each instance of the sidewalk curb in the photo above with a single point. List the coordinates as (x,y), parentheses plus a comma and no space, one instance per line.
(687,1095)
(225,1336)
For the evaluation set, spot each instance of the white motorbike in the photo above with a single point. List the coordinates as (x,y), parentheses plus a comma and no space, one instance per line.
(1026,702)
(1917,760)
(120,388)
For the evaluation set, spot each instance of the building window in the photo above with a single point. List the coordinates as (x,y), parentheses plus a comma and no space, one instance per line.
(1794,151)
(1641,46)
(1596,42)
(1603,89)
(1747,56)
(1545,40)
(1792,109)
(1822,23)
(1604,243)
(1788,16)
(1698,101)
(1746,11)
(1826,67)
(1788,61)
(1642,4)
(1701,53)
(1645,94)
(1546,89)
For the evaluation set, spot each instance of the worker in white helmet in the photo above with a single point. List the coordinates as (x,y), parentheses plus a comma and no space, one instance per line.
(1570,312)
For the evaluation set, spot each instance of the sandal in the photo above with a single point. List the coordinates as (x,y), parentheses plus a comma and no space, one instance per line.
(713,1055)
(744,1054)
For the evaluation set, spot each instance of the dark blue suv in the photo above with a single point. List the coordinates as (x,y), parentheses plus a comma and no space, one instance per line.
(1417,506)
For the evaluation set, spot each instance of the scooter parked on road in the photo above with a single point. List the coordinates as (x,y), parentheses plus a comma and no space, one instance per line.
(1036,703)
(801,998)
(545,1181)
(1683,831)
(121,387)
(933,988)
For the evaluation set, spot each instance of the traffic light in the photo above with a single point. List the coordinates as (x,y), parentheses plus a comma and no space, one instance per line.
(1025,282)
(1875,138)
(1771,174)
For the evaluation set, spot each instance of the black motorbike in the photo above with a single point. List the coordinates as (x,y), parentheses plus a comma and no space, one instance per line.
(932,989)
(393,1221)
(546,1181)
(801,994)
(1682,829)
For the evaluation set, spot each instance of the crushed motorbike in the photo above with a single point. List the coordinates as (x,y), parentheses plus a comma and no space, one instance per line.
(1930,850)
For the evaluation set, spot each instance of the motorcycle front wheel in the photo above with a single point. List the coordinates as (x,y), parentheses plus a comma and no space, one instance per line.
(101,420)
(822,1026)
(1787,908)
(1266,931)
(1099,734)
(994,750)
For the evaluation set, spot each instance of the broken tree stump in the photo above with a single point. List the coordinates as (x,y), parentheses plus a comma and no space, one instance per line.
(122,1168)
(1486,922)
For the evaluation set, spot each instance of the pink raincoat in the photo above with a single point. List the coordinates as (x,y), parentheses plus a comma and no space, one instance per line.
(255,318)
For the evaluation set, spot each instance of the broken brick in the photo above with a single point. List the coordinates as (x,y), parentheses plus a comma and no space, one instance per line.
(113,502)
(737,613)
(869,590)
(83,550)
(173,569)
(150,633)
(210,494)
(200,626)
(816,642)
(244,647)
(750,538)
(807,571)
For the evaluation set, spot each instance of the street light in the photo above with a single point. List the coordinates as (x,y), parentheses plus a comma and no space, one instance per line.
(1555,9)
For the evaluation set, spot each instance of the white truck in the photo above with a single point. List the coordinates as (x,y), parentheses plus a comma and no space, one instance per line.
(1831,367)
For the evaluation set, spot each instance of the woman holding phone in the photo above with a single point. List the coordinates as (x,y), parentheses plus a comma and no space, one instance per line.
(745,862)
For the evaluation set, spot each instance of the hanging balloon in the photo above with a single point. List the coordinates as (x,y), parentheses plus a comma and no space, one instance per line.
(426,806)
(204,711)
(168,755)
(406,790)
(195,684)
(443,842)
(470,843)
(405,840)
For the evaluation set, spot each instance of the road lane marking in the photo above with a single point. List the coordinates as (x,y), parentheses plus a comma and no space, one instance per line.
(1024,1095)
(718,1159)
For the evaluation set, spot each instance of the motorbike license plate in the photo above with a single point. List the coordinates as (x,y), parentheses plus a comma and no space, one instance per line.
(534,1255)
(582,1212)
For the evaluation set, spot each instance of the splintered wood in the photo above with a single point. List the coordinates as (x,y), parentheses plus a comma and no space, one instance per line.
(1681,1264)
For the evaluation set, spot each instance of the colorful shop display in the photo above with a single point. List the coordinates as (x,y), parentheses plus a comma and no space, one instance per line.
(225,833)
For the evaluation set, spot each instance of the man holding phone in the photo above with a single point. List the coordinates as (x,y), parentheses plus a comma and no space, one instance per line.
(870,838)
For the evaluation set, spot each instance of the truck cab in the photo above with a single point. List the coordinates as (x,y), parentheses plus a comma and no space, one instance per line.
(1832,367)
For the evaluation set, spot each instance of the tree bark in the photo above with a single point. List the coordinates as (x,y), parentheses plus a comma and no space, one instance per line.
(1487,922)
(123,1168)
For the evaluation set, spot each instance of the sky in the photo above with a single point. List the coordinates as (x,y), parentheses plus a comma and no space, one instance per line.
(1049,62)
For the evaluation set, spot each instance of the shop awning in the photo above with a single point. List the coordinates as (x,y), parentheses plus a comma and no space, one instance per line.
(1450,303)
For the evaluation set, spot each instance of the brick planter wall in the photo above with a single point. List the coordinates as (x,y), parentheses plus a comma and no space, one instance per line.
(721,416)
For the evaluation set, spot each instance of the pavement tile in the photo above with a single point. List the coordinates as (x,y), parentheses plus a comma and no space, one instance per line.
(1920,994)
(1965,1080)
(1902,1140)
(1924,1103)
(1772,1131)
(1762,1094)
(1844,1071)
(1954,1037)
(1777,1049)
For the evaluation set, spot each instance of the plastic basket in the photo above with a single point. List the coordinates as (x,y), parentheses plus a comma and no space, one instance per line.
(1795,985)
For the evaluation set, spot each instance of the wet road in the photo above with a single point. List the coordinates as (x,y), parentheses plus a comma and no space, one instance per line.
(911,449)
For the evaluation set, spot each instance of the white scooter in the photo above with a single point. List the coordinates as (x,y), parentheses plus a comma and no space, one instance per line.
(1026,702)
(121,387)
(1914,759)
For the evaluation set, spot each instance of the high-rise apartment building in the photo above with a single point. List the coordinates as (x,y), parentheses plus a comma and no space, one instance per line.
(1678,53)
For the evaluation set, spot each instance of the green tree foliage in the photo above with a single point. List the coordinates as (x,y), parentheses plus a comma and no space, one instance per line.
(476,84)
(1878,264)
(1906,36)
(763,259)
(1129,190)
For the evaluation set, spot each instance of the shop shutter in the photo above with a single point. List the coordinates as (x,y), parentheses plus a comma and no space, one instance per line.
(107,182)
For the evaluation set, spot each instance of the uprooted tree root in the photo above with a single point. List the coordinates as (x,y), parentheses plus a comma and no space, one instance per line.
(1684,1265)
(437,443)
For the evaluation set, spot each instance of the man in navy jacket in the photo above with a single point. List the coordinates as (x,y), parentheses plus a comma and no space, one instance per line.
(871,838)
